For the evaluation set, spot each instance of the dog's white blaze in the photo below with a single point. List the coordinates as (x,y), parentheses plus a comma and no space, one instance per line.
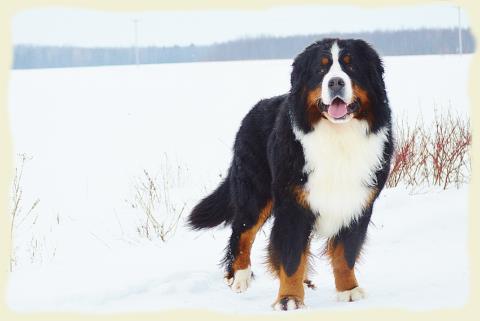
(340,160)
(336,71)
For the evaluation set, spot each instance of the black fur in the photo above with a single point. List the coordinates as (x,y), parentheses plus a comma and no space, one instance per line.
(217,205)
(268,161)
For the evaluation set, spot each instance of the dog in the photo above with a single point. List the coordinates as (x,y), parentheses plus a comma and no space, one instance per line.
(315,159)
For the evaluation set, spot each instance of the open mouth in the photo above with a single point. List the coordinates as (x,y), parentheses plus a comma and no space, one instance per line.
(339,109)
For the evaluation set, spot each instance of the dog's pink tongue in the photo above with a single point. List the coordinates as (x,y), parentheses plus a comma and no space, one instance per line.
(337,109)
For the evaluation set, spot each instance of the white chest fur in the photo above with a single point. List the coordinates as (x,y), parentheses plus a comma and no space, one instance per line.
(340,160)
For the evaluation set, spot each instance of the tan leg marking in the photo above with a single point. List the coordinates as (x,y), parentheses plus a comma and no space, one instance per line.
(344,276)
(242,260)
(291,292)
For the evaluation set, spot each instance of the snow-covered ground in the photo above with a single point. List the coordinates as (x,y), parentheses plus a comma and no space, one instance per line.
(90,133)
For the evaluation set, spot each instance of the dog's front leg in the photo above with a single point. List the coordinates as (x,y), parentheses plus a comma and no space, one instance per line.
(343,250)
(288,251)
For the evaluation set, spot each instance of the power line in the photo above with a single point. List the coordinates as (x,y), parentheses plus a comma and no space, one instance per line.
(460,45)
(135,31)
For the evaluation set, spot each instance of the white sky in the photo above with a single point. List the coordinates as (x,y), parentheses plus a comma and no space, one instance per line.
(64,26)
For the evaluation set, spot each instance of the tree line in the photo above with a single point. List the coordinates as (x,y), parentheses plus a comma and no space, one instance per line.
(388,43)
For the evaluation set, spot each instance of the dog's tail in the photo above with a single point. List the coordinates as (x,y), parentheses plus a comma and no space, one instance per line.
(213,209)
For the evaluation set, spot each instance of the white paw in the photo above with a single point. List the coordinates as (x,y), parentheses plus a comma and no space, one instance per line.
(228,281)
(288,303)
(352,295)
(240,281)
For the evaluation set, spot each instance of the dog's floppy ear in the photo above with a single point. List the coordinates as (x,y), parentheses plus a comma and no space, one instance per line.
(301,66)
(378,97)
(372,58)
(299,69)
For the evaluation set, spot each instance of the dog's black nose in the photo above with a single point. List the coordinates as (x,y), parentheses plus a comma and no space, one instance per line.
(336,84)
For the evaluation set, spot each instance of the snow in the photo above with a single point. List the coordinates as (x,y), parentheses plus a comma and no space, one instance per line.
(90,133)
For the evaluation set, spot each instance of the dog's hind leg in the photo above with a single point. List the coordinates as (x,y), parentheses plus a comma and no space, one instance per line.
(250,194)
(237,260)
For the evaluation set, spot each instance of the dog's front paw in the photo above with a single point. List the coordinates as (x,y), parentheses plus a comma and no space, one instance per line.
(240,281)
(288,303)
(352,295)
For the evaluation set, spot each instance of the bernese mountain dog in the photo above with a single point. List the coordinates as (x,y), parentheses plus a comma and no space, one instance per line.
(314,159)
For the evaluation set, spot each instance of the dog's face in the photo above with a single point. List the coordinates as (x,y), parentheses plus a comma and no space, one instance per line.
(338,80)
(337,100)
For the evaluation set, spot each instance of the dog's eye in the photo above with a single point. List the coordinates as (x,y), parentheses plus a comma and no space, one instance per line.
(347,59)
(325,61)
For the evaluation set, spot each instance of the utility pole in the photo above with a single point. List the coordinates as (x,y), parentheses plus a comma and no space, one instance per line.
(460,45)
(135,30)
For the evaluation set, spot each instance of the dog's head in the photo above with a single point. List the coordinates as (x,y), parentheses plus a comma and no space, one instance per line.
(338,80)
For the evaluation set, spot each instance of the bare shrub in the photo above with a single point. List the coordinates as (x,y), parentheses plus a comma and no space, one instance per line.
(18,215)
(153,201)
(433,155)
(450,159)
